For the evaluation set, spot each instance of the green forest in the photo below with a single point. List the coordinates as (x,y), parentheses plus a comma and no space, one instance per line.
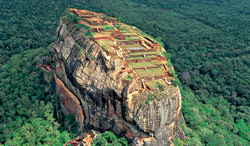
(208,39)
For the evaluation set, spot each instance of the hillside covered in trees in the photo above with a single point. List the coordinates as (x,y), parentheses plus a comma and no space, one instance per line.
(209,41)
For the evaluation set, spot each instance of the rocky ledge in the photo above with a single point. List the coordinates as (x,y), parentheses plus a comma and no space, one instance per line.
(112,76)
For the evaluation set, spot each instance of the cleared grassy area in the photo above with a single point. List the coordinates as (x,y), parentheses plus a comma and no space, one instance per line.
(130,46)
(158,62)
(106,42)
(147,64)
(128,33)
(156,70)
(155,84)
(117,25)
(125,30)
(151,72)
(140,57)
(142,72)
(142,64)
(109,28)
(141,53)
(132,38)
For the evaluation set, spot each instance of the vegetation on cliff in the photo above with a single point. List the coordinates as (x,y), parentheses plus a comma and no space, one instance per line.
(109,138)
(208,39)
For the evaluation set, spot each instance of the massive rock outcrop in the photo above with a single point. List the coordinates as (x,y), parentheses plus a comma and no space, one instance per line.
(112,76)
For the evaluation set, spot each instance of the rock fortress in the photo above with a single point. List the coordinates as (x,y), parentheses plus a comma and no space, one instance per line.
(113,76)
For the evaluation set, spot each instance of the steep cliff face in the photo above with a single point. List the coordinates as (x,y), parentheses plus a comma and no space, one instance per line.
(112,76)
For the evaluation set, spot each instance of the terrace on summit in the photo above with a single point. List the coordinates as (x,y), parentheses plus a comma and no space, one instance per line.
(142,56)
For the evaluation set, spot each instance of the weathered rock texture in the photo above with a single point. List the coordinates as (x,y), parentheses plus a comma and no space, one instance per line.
(93,84)
(85,140)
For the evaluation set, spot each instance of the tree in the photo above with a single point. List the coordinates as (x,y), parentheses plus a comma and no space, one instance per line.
(108,138)
(39,131)
(243,130)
